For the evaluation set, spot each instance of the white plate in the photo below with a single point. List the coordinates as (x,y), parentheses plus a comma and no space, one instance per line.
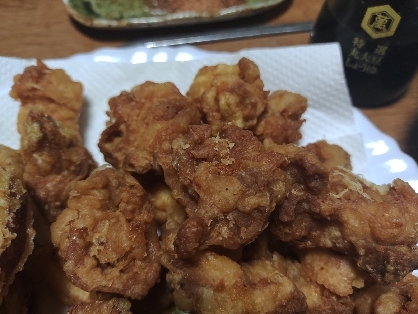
(385,160)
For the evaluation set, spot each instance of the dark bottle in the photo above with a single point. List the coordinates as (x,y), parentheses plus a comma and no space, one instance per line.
(379,42)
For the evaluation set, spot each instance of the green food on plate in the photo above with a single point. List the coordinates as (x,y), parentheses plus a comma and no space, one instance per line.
(121,9)
(110,9)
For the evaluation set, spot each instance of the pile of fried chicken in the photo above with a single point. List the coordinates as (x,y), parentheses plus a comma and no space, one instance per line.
(207,205)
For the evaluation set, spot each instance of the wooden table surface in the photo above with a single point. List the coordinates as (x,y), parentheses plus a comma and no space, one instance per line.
(42,29)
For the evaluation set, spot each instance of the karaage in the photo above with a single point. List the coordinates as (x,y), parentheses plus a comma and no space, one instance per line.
(54,160)
(318,298)
(398,298)
(230,94)
(113,306)
(140,121)
(49,91)
(335,271)
(228,184)
(107,235)
(168,213)
(281,121)
(16,219)
(330,155)
(212,283)
(374,225)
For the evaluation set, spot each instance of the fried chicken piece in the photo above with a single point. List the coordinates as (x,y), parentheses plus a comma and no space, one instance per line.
(49,91)
(374,225)
(281,121)
(113,306)
(319,299)
(212,283)
(107,236)
(168,213)
(307,175)
(228,184)
(140,121)
(330,155)
(336,272)
(54,160)
(16,219)
(166,210)
(399,298)
(230,94)
(11,160)
(326,278)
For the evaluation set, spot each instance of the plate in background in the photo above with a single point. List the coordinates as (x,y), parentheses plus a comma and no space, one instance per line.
(102,15)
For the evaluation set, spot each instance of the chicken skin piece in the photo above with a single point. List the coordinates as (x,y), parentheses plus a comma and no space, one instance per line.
(140,120)
(398,298)
(212,283)
(16,219)
(281,121)
(374,225)
(113,306)
(49,91)
(228,184)
(107,237)
(54,160)
(230,94)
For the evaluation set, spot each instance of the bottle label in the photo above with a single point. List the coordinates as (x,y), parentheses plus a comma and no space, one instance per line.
(380,21)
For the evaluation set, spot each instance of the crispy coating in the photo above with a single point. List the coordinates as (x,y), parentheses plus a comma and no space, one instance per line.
(11,160)
(54,160)
(107,236)
(230,94)
(325,277)
(308,176)
(140,120)
(319,299)
(330,155)
(113,306)
(376,226)
(399,298)
(49,91)
(335,271)
(168,213)
(212,283)
(166,210)
(229,185)
(281,121)
(16,219)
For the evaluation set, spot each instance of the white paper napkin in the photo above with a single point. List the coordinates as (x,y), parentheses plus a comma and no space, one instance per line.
(314,71)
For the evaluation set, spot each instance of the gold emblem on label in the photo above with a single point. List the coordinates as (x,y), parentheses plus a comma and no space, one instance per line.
(381,21)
